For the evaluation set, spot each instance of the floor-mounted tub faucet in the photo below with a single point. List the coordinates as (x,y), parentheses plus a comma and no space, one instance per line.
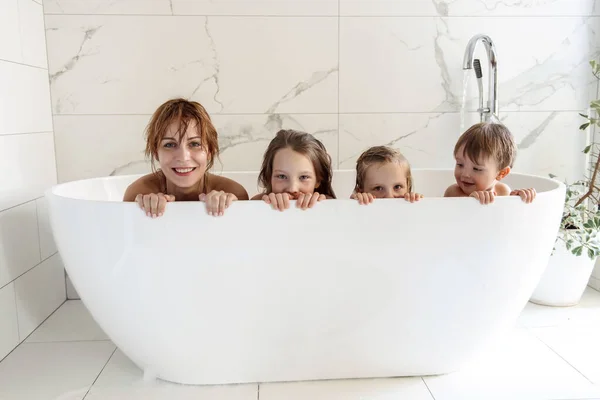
(469,63)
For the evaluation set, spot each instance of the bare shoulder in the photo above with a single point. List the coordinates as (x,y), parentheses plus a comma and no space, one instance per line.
(145,185)
(502,189)
(453,191)
(227,185)
(257,196)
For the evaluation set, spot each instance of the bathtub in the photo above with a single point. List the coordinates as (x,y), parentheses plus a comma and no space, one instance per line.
(338,291)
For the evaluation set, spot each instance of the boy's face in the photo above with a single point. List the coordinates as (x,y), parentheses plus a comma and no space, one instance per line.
(471,176)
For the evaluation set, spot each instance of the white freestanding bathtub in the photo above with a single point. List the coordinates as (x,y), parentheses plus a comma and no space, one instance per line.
(338,291)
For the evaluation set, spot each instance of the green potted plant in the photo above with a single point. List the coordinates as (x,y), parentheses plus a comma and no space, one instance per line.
(577,245)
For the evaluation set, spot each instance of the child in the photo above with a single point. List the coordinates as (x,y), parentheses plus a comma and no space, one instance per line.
(484,156)
(294,166)
(383,172)
(182,138)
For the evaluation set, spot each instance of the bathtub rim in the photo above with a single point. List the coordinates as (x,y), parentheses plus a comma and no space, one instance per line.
(58,190)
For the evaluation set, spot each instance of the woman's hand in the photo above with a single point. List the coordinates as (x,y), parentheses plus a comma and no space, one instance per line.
(484,196)
(307,200)
(363,198)
(217,201)
(279,201)
(154,204)
(412,197)
(527,195)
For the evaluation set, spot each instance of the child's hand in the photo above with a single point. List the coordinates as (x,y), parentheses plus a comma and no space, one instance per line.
(484,196)
(154,204)
(363,198)
(307,200)
(527,195)
(412,197)
(217,201)
(279,201)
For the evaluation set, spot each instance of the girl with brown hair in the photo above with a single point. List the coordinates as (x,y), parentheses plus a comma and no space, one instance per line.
(182,138)
(295,165)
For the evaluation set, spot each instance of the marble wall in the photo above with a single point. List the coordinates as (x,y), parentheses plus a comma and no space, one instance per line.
(354,72)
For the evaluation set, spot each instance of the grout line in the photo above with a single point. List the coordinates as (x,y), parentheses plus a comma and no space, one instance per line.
(51,105)
(193,15)
(323,113)
(100,373)
(24,133)
(23,341)
(23,64)
(31,269)
(433,16)
(555,352)
(258,392)
(432,396)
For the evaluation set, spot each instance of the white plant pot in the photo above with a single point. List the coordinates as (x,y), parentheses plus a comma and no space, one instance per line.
(564,279)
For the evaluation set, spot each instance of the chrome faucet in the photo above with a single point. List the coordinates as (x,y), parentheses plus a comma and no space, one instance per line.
(491,111)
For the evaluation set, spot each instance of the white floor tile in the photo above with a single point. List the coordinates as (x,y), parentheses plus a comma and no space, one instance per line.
(123,380)
(52,371)
(356,389)
(71,322)
(579,346)
(586,313)
(518,367)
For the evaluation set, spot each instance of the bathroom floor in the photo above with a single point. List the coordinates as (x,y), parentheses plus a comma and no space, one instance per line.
(552,353)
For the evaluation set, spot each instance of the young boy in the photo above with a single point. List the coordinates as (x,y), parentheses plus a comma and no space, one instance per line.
(484,156)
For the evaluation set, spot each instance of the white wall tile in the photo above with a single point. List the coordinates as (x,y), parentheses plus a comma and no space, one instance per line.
(33,37)
(24,99)
(237,64)
(9,333)
(47,244)
(242,141)
(39,293)
(464,8)
(28,165)
(121,7)
(10,45)
(256,7)
(19,242)
(415,64)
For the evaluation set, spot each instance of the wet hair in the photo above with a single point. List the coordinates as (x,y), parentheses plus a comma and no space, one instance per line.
(182,112)
(488,139)
(380,155)
(305,144)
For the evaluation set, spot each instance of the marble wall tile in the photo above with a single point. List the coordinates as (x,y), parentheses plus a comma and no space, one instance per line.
(415,64)
(121,7)
(256,7)
(229,64)
(194,7)
(92,146)
(471,8)
(548,142)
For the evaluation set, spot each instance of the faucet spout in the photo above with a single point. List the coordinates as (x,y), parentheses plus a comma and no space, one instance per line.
(492,103)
